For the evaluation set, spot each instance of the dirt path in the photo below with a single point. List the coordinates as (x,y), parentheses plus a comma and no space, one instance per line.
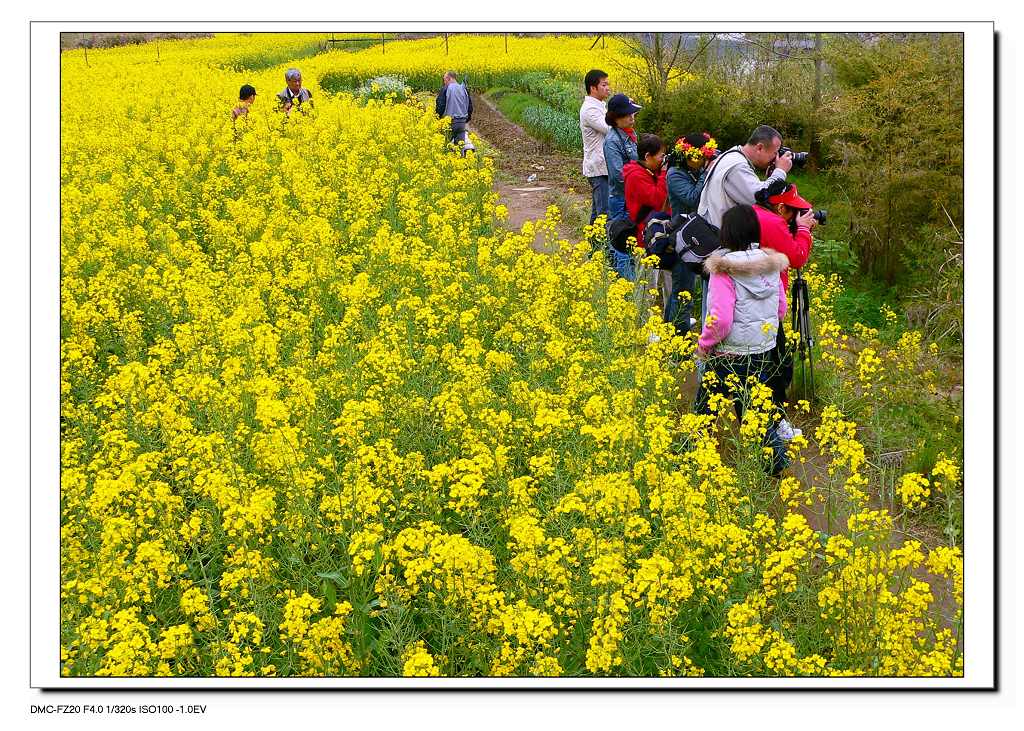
(531,174)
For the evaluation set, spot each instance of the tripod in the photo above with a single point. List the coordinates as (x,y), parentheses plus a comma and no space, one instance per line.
(801,323)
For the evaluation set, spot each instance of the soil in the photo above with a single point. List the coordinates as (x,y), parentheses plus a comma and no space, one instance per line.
(531,175)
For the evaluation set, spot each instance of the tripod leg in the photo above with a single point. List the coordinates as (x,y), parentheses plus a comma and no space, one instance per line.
(810,364)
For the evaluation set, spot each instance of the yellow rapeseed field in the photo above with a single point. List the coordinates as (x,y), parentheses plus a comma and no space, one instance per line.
(321,414)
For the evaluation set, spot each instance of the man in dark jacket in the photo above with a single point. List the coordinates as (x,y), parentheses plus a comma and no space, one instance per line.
(454,101)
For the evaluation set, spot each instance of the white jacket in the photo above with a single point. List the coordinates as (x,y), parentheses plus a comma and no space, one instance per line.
(594,130)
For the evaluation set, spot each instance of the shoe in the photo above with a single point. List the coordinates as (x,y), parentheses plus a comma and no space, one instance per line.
(692,323)
(786,431)
(653,338)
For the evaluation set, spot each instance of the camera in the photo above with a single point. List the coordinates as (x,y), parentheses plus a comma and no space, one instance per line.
(820,216)
(672,159)
(799,158)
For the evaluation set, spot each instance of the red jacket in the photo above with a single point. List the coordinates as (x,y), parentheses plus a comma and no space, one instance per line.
(775,235)
(643,188)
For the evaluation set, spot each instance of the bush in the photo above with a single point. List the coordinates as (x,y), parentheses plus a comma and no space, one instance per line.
(698,105)
(384,87)
(836,257)
(897,139)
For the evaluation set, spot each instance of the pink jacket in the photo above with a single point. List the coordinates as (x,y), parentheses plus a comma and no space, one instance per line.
(746,301)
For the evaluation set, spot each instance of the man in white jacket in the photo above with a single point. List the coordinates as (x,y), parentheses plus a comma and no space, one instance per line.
(732,178)
(594,128)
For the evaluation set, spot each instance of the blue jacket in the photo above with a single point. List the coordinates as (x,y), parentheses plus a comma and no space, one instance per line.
(454,101)
(684,187)
(619,149)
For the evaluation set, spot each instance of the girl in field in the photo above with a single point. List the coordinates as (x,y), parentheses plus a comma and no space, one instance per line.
(746,304)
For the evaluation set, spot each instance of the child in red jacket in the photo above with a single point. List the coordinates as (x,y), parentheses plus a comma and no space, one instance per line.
(644,180)
(786,223)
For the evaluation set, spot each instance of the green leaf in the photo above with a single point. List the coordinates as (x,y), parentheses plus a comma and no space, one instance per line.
(330,594)
(334,576)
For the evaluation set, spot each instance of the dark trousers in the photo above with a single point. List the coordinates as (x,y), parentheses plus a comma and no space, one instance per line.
(780,375)
(678,312)
(761,367)
(598,196)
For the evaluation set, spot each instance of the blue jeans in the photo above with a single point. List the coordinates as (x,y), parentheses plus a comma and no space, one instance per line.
(759,365)
(616,206)
(623,264)
(598,196)
(676,312)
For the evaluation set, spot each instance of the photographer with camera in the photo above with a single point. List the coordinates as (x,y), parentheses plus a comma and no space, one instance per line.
(786,222)
(687,165)
(732,178)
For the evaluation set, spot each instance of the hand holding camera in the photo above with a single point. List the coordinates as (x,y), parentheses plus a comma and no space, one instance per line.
(807,219)
(784,160)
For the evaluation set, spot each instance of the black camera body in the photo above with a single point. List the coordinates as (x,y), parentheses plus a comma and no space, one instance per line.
(799,158)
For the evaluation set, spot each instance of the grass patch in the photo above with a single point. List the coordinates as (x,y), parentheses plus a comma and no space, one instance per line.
(538,118)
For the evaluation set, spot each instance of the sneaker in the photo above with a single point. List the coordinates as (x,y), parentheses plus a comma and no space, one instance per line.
(692,323)
(786,431)
(653,338)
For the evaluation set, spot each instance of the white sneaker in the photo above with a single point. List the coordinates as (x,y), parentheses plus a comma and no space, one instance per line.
(692,322)
(653,338)
(786,431)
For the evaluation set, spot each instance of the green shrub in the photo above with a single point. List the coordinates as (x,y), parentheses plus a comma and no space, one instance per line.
(836,256)
(384,87)
(896,134)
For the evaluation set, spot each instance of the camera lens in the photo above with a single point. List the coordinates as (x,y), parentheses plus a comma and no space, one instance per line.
(820,216)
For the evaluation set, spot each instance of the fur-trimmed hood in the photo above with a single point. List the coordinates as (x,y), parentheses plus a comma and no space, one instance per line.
(747,263)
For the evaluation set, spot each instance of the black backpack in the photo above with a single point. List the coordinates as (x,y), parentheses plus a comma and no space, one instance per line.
(660,237)
(696,240)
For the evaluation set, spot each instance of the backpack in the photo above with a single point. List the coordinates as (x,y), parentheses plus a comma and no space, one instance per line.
(660,237)
(620,229)
(696,240)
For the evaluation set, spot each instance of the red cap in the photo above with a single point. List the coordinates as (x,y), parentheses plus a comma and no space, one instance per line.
(790,198)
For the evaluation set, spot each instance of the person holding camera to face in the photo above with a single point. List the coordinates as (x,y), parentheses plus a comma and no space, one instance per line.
(732,179)
(687,170)
(786,221)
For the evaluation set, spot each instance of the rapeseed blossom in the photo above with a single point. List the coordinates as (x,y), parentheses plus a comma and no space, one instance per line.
(322,414)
